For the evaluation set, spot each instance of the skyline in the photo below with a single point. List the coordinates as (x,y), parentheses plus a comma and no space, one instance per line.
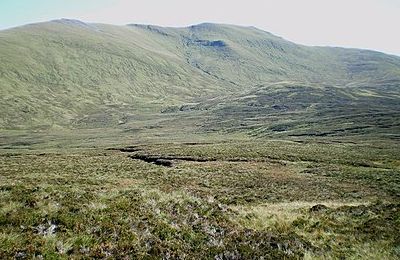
(367,24)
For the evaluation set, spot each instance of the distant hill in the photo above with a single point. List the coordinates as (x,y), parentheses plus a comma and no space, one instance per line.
(71,74)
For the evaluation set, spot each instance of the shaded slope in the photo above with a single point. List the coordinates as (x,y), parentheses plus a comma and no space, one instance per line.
(303,109)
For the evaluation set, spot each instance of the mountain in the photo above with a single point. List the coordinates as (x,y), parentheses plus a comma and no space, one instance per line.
(70,74)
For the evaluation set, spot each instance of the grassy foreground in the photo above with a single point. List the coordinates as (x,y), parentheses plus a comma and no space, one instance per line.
(224,200)
(206,142)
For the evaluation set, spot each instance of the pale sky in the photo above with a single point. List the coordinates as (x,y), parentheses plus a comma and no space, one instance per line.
(368,24)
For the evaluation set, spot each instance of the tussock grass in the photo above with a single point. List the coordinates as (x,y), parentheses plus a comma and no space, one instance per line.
(102,203)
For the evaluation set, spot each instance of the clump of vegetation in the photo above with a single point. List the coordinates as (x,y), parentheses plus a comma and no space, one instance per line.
(276,199)
(61,221)
(338,231)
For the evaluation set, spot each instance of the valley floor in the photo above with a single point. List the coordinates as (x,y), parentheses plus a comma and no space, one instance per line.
(232,199)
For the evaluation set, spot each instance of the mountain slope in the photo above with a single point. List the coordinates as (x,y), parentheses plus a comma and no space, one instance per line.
(303,109)
(59,69)
(66,73)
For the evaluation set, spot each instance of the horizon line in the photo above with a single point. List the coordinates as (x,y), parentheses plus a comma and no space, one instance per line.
(197,24)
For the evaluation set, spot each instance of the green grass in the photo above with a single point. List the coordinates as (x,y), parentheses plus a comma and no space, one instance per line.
(101,203)
(257,131)
(66,74)
(341,230)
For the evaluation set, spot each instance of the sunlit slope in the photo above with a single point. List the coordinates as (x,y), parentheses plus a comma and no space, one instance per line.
(57,71)
(247,55)
(67,73)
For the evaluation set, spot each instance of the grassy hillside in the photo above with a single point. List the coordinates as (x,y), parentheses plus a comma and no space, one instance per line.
(69,74)
(206,142)
(300,109)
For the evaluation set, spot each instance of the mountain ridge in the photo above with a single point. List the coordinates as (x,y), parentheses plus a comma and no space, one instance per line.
(65,72)
(71,20)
